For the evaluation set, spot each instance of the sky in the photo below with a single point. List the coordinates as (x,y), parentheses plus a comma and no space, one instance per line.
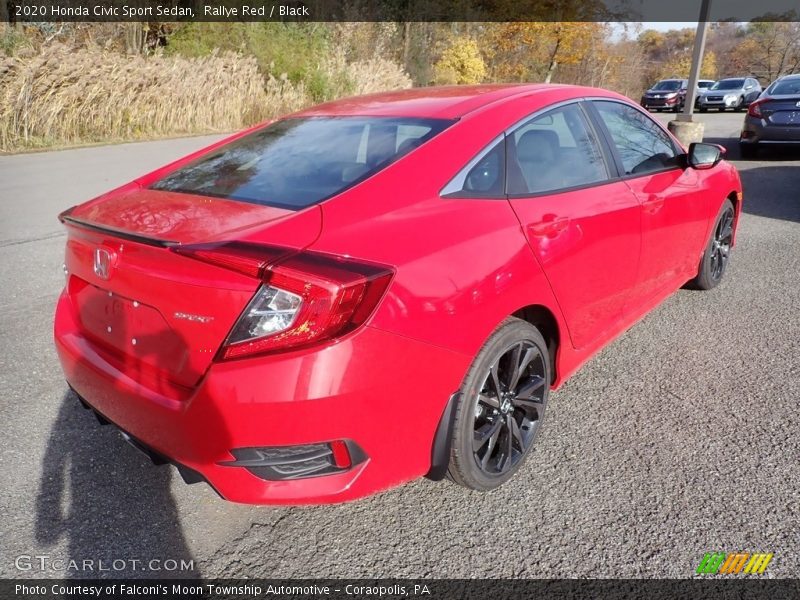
(666,26)
(619,28)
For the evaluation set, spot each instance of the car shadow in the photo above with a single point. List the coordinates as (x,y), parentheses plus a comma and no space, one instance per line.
(108,502)
(769,190)
(766,153)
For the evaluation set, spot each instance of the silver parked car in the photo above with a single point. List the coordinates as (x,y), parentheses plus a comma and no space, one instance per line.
(702,85)
(735,93)
(774,118)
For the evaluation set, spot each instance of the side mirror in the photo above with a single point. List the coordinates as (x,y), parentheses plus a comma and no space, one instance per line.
(704,156)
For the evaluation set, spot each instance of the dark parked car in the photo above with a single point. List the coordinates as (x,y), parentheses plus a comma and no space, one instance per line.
(666,94)
(735,93)
(774,118)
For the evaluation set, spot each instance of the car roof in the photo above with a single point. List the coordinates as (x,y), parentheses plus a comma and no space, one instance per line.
(446,102)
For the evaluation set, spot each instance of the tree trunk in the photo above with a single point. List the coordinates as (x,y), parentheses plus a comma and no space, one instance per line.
(550,70)
(406,44)
(553,63)
(134,38)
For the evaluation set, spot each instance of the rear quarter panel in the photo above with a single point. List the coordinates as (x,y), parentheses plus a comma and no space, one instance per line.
(462,265)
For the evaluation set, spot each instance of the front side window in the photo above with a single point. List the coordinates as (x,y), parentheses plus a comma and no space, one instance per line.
(555,150)
(295,163)
(642,145)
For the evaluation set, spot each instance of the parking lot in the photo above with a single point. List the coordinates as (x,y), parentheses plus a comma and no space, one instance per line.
(682,437)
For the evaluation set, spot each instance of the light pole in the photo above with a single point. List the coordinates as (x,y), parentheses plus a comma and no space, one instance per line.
(684,128)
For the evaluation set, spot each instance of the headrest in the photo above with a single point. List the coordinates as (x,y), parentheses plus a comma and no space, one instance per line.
(537,146)
(408,145)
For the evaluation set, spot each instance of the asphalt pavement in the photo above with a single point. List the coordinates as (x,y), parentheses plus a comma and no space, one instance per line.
(680,438)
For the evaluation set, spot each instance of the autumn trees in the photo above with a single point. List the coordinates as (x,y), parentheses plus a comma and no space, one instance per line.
(578,48)
(769,49)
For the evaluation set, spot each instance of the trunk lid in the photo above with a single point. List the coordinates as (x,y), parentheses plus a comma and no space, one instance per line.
(177,217)
(782,110)
(159,316)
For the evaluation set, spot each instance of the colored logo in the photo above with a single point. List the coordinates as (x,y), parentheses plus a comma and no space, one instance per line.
(714,563)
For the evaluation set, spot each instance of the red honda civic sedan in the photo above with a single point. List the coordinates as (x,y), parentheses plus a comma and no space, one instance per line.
(383,287)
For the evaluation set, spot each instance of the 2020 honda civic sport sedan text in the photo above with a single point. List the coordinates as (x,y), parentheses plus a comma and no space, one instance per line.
(384,287)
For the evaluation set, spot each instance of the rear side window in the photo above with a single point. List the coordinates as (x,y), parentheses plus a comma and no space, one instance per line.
(556,150)
(295,163)
(484,175)
(786,87)
(642,145)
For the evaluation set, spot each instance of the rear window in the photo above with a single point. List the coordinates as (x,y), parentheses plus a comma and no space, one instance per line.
(786,87)
(295,163)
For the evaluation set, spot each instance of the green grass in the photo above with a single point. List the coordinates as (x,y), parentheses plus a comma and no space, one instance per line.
(290,48)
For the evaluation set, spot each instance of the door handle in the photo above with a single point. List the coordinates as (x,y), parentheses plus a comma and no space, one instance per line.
(550,226)
(653,203)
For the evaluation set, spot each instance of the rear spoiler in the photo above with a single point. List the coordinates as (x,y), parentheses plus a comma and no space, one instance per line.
(66,218)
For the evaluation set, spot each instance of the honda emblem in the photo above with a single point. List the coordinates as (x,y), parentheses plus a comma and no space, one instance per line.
(102,263)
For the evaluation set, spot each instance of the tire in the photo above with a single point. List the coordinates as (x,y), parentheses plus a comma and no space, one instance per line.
(715,259)
(748,150)
(498,418)
(703,109)
(741,106)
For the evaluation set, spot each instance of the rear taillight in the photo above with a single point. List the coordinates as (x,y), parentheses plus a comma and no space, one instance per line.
(754,109)
(305,298)
(242,257)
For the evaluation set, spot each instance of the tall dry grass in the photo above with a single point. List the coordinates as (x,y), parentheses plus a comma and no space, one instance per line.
(65,97)
(62,97)
(365,76)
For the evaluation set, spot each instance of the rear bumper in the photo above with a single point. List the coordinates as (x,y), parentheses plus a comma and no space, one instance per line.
(384,392)
(759,131)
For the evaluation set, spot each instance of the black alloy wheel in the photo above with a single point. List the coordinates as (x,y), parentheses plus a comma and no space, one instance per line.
(502,407)
(715,259)
(721,244)
(508,408)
